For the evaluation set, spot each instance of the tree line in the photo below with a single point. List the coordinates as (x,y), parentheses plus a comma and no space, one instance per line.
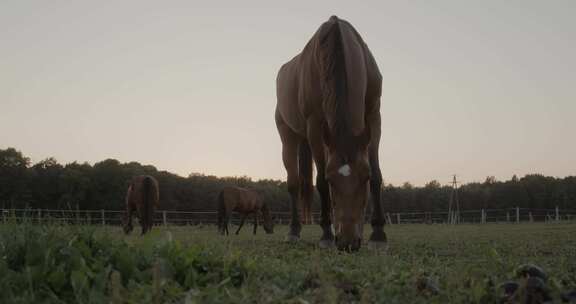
(48,184)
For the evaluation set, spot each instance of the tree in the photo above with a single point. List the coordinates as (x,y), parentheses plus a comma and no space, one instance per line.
(13,178)
(44,183)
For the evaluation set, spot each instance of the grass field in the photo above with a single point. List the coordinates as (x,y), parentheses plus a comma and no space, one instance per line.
(465,263)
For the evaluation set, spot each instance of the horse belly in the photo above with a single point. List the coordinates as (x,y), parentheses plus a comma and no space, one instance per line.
(243,208)
(288,98)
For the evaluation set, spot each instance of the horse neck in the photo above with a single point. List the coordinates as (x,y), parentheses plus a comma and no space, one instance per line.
(265,211)
(342,70)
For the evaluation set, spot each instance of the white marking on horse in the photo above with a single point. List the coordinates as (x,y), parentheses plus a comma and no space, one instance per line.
(344,170)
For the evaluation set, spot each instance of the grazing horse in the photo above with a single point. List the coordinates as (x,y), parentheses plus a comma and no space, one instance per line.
(245,202)
(142,197)
(328,111)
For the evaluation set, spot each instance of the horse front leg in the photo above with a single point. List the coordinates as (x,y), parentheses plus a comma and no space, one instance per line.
(128,220)
(327,239)
(317,148)
(255,222)
(378,237)
(144,224)
(241,223)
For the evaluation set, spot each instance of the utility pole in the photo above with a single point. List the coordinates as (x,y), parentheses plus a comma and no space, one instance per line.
(454,203)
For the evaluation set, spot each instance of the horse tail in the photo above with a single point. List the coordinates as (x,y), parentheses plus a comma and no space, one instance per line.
(221,210)
(333,77)
(148,192)
(305,180)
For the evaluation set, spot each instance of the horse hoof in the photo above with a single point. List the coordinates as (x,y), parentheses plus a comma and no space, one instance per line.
(380,246)
(292,238)
(325,244)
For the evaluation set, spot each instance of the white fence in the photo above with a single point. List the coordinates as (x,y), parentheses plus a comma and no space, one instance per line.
(165,217)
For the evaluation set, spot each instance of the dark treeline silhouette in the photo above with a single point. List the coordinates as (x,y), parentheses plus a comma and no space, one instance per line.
(50,185)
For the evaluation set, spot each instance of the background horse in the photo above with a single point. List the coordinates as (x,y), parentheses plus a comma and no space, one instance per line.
(245,202)
(328,111)
(142,197)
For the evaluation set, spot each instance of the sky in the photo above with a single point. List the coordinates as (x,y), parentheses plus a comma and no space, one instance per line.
(483,88)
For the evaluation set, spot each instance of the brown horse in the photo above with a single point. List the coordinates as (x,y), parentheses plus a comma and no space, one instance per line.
(328,111)
(245,202)
(142,197)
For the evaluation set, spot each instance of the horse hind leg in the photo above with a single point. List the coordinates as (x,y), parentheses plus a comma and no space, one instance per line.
(222,221)
(151,224)
(290,141)
(226,222)
(305,180)
(144,227)
(143,222)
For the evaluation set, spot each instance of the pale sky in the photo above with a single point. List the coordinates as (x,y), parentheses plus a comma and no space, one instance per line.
(473,88)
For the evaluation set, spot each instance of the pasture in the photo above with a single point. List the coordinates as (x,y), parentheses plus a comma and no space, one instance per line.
(193,264)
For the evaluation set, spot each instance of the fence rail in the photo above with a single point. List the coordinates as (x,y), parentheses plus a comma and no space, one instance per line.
(167,217)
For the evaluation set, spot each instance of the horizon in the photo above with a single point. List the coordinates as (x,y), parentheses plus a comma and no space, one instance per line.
(476,90)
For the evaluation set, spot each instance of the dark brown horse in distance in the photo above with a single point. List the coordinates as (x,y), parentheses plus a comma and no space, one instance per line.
(142,197)
(245,202)
(328,111)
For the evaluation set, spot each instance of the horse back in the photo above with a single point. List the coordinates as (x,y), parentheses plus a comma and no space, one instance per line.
(289,106)
(299,82)
(135,194)
(240,199)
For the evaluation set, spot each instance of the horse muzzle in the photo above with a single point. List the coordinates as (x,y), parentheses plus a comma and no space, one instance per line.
(348,237)
(348,245)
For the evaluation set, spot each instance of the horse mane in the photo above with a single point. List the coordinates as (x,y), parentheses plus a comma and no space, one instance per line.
(334,85)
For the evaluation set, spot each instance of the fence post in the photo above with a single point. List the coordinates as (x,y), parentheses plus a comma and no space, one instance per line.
(557,214)
(398,217)
(388,218)
(530,217)
(164,217)
(482,219)
(507,217)
(103,218)
(517,215)
(39,216)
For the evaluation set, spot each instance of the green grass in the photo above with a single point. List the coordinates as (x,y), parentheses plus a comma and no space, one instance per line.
(68,264)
